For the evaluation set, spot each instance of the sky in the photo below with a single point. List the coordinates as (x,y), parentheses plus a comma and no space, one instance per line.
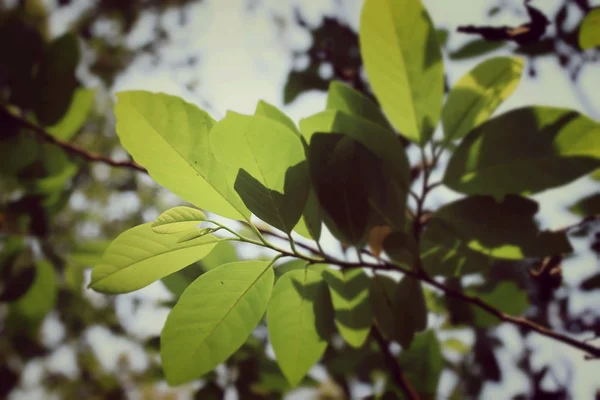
(244,57)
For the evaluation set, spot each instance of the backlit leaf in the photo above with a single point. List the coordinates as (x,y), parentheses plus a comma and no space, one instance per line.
(139,256)
(178,219)
(79,109)
(589,32)
(403,62)
(40,298)
(213,318)
(265,109)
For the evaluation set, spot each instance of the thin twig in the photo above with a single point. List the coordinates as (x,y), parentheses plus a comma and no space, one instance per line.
(394,366)
(71,148)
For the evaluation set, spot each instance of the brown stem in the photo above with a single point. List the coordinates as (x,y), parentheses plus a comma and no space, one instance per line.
(71,148)
(394,366)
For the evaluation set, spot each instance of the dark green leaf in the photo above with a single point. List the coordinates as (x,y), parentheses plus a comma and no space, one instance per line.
(422,364)
(591,283)
(401,248)
(411,311)
(475,48)
(506,297)
(589,205)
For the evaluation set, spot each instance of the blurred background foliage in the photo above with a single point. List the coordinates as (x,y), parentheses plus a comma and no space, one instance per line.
(58,212)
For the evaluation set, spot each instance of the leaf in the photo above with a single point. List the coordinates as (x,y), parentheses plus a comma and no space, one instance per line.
(589,31)
(401,248)
(347,100)
(457,345)
(309,225)
(403,62)
(525,151)
(301,81)
(377,235)
(76,115)
(591,283)
(193,233)
(56,81)
(475,48)
(178,219)
(213,318)
(139,256)
(350,297)
(41,296)
(595,175)
(502,230)
(170,138)
(476,96)
(422,364)
(299,319)
(589,205)
(265,109)
(443,253)
(382,295)
(506,297)
(265,164)
(411,311)
(224,252)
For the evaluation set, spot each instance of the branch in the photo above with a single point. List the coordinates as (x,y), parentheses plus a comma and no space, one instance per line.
(394,366)
(70,148)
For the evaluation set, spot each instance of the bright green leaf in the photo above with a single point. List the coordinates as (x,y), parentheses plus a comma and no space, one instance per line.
(589,205)
(178,219)
(299,319)
(506,297)
(170,138)
(265,164)
(265,109)
(213,318)
(525,151)
(139,256)
(342,97)
(475,97)
(403,62)
(500,230)
(589,32)
(79,109)
(350,297)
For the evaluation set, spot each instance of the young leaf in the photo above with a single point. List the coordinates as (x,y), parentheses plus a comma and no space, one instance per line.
(170,138)
(178,219)
(299,319)
(502,230)
(422,363)
(589,205)
(342,97)
(411,311)
(265,109)
(403,62)
(350,296)
(525,151)
(139,256)
(213,318)
(264,162)
(476,95)
(589,32)
(79,109)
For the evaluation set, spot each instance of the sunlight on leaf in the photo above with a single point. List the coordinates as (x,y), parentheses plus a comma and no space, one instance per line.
(589,31)
(178,219)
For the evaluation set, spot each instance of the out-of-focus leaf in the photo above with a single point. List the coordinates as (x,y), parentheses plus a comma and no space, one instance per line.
(475,97)
(506,296)
(41,296)
(457,346)
(422,363)
(411,311)
(475,48)
(79,109)
(401,248)
(350,296)
(299,81)
(591,283)
(88,253)
(377,235)
(403,62)
(299,319)
(589,205)
(170,138)
(139,256)
(589,31)
(525,151)
(178,219)
(213,318)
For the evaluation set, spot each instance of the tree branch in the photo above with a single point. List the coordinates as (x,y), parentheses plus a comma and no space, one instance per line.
(394,366)
(70,148)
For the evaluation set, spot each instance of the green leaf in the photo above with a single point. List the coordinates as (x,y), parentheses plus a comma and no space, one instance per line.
(502,230)
(589,205)
(265,164)
(265,109)
(299,319)
(589,31)
(350,297)
(422,364)
(41,296)
(342,97)
(139,256)
(178,219)
(213,318)
(476,95)
(56,81)
(591,283)
(88,253)
(301,81)
(506,297)
(475,48)
(525,151)
(595,175)
(224,252)
(79,109)
(457,345)
(403,62)
(411,310)
(401,248)
(170,138)
(309,225)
